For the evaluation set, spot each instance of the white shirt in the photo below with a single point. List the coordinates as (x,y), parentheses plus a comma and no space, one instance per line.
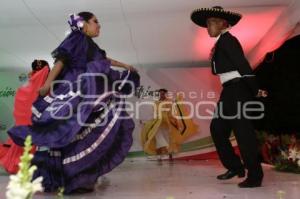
(225,77)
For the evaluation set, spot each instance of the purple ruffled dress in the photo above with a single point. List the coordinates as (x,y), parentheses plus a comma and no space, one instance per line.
(82,125)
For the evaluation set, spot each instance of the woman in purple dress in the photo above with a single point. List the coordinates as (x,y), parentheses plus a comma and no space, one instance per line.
(79,122)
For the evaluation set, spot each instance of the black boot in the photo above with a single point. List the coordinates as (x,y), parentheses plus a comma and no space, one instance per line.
(250,183)
(230,174)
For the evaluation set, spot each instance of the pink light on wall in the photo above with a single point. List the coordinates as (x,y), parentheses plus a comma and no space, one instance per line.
(202,44)
(252,27)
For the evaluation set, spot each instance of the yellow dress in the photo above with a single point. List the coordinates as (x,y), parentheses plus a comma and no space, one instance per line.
(170,116)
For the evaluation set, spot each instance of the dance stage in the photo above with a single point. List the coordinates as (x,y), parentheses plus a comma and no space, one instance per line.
(142,178)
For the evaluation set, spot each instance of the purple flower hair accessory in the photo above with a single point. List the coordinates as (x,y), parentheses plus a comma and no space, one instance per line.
(76,22)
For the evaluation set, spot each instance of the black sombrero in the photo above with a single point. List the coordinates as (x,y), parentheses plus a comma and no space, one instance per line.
(199,16)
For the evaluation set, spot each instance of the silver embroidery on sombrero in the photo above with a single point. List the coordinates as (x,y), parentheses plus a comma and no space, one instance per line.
(217,10)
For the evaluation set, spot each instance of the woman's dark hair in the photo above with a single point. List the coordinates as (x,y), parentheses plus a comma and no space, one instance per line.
(90,54)
(163,90)
(38,64)
(86,15)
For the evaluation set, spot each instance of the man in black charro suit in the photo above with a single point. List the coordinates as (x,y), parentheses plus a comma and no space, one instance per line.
(239,87)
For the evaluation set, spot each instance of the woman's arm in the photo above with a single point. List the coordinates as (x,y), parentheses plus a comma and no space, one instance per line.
(121,65)
(58,66)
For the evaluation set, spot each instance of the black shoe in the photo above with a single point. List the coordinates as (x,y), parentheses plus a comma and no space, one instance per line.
(230,174)
(248,183)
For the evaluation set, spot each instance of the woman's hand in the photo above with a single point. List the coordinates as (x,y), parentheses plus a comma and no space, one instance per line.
(58,66)
(262,93)
(122,65)
(44,90)
(130,68)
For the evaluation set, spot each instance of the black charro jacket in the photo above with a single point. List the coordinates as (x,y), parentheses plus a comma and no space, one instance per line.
(229,56)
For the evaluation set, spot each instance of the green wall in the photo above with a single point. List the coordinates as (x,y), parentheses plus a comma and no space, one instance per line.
(9,82)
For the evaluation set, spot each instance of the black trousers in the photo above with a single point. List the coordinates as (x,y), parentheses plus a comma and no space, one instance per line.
(229,117)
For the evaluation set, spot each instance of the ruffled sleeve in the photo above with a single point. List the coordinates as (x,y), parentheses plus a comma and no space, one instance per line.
(62,55)
(72,50)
